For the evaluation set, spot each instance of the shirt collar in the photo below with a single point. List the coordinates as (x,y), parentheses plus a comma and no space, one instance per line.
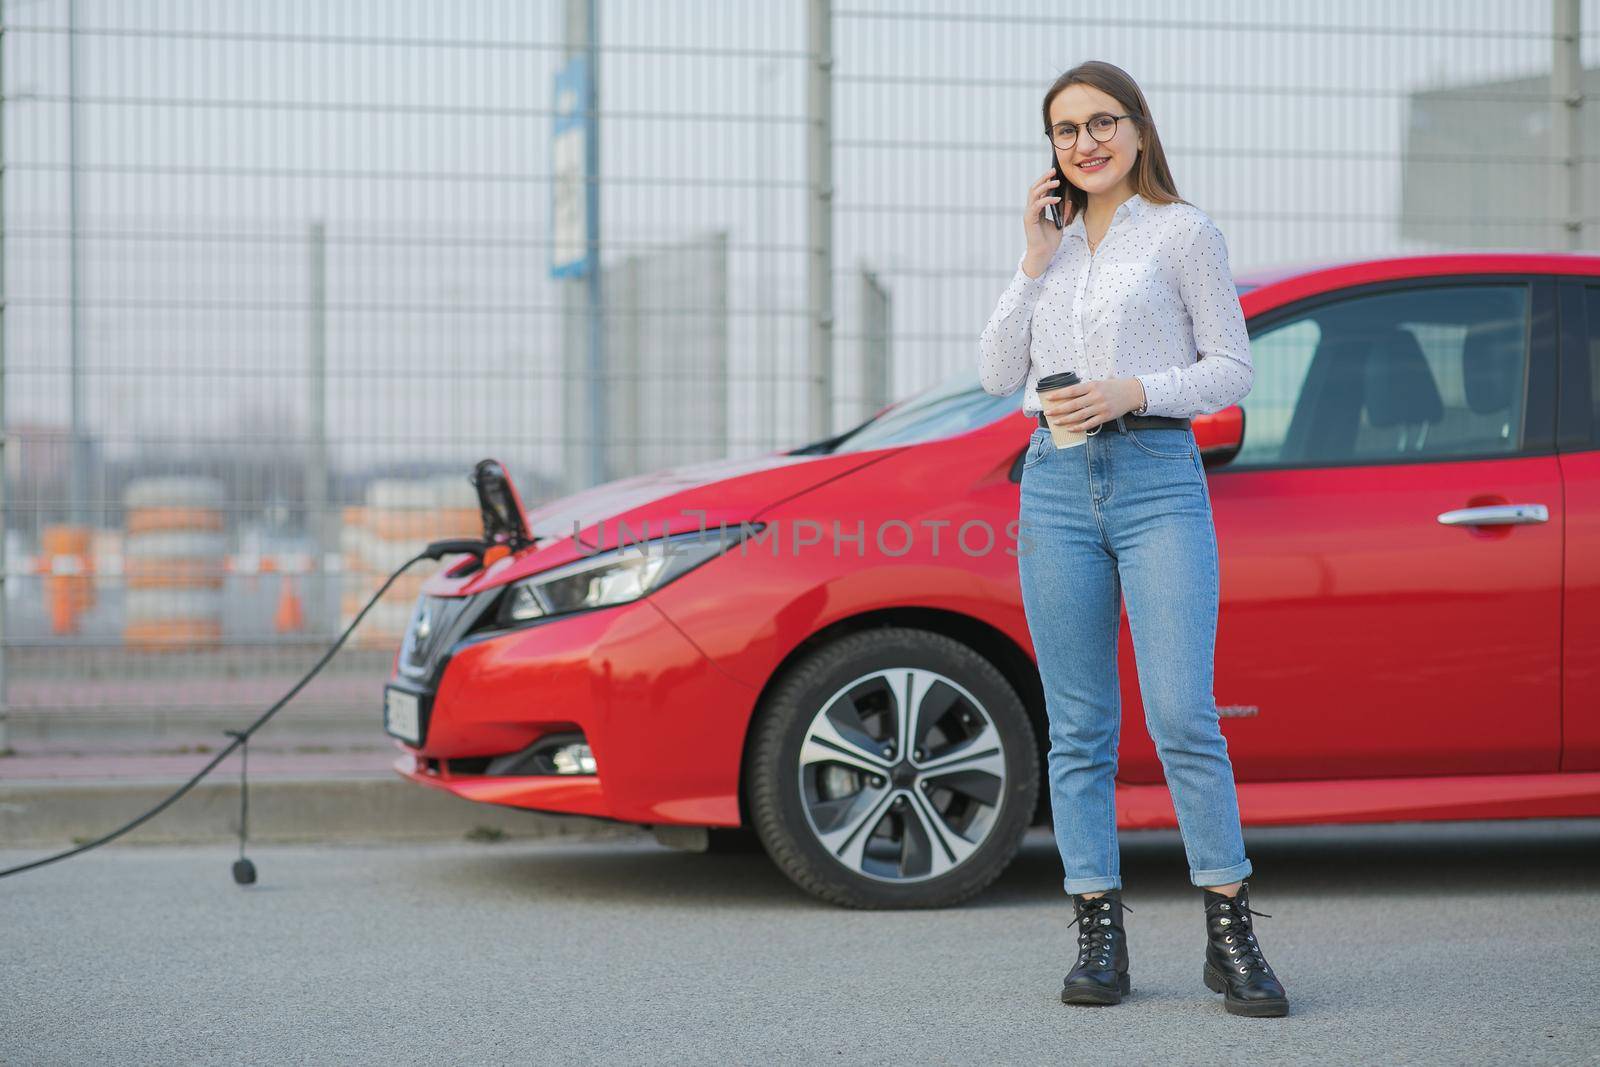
(1132,207)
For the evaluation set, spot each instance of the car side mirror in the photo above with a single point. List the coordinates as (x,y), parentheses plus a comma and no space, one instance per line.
(1220,434)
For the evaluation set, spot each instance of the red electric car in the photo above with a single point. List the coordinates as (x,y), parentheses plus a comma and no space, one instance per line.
(826,647)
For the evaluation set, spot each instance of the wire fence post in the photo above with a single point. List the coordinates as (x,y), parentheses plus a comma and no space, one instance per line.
(318,514)
(819,212)
(1566,129)
(5,703)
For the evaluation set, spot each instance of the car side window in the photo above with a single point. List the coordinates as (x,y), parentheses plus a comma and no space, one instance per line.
(1281,356)
(1401,376)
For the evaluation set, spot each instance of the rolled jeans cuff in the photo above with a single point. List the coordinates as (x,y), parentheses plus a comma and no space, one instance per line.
(1090,885)
(1221,875)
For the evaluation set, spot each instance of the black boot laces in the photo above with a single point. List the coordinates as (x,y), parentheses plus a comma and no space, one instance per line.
(1241,940)
(1094,938)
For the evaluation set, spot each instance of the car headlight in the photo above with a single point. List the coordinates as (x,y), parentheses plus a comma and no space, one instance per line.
(619,575)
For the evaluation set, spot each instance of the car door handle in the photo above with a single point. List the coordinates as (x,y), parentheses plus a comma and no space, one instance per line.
(1496,515)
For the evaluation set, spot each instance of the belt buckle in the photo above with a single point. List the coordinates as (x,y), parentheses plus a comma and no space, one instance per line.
(1122,426)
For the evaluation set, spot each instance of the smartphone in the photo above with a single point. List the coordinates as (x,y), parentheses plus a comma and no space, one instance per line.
(1056,211)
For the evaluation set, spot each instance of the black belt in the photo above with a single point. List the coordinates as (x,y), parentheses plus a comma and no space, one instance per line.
(1135,422)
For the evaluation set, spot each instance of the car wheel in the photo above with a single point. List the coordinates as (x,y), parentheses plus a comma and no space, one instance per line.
(893,768)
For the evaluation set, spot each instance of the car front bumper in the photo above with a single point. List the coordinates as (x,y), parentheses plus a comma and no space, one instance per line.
(664,725)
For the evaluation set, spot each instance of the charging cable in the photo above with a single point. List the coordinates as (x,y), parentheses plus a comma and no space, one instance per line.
(244,871)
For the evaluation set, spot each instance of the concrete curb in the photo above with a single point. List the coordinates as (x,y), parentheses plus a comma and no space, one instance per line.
(156,725)
(58,814)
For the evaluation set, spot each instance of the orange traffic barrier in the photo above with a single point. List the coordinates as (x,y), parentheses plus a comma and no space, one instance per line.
(69,575)
(399,517)
(174,562)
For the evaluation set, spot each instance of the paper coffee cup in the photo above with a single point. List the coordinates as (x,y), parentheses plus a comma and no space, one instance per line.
(1063,437)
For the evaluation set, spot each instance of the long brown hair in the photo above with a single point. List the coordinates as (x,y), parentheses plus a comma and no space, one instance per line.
(1151,177)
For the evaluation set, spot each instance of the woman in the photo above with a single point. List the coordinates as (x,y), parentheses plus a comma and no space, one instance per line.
(1126,295)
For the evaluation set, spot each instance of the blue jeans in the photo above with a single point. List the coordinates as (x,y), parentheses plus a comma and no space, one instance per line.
(1127,514)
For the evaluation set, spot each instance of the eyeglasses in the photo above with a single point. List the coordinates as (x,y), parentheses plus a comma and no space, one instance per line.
(1101,127)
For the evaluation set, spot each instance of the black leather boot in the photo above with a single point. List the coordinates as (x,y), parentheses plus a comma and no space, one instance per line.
(1235,965)
(1101,974)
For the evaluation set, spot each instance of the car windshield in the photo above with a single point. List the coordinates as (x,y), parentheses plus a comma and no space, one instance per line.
(950,407)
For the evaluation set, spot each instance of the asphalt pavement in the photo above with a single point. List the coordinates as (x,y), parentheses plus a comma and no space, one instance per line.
(1414,943)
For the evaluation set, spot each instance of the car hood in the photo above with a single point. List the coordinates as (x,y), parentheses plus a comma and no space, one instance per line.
(727,491)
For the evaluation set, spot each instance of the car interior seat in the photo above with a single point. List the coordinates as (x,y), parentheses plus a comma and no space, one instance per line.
(1400,391)
(1491,372)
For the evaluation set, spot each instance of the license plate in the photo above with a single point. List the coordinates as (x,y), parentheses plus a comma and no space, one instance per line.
(400,715)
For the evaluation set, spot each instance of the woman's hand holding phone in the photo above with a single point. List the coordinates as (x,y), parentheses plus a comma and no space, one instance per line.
(1044,237)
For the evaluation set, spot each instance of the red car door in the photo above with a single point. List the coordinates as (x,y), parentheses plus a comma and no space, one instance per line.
(1390,536)
(1578,442)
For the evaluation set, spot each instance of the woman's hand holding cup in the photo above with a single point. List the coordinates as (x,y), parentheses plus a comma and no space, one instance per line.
(1080,408)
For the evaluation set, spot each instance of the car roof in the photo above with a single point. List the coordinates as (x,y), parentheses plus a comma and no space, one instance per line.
(1313,275)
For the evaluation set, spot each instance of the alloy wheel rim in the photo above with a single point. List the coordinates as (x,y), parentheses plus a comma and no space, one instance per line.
(901,775)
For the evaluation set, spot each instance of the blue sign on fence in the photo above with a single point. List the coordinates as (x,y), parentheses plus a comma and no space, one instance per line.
(572,188)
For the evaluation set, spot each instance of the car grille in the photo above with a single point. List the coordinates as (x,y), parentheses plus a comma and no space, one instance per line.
(437,623)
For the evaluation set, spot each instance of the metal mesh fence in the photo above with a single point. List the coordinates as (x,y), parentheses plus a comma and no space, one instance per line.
(276,275)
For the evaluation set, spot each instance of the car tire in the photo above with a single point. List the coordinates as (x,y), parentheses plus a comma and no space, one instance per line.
(866,827)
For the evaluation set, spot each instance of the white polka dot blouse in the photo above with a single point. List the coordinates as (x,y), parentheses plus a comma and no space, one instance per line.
(1155,302)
